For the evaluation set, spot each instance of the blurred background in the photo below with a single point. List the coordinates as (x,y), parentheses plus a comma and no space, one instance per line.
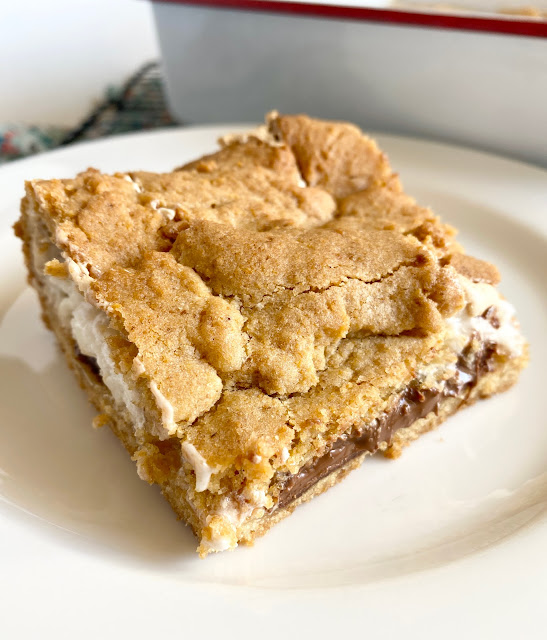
(59,56)
(472,72)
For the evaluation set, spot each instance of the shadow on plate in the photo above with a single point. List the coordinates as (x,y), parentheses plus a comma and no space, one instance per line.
(54,465)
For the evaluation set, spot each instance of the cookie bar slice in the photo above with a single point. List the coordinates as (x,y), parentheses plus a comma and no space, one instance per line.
(255,323)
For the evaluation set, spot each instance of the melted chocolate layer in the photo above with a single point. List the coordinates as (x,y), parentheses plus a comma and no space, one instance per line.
(89,361)
(413,404)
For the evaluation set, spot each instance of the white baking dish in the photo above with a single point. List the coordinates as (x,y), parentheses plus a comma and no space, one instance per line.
(477,79)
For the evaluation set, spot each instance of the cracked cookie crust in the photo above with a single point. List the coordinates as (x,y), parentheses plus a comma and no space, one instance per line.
(254,323)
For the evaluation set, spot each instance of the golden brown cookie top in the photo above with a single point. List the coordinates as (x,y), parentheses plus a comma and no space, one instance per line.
(253,265)
(274,290)
(336,156)
(474,269)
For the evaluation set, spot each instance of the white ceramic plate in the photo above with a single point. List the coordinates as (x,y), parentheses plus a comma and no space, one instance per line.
(448,541)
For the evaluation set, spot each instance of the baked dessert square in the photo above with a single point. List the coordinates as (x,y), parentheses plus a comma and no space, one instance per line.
(255,323)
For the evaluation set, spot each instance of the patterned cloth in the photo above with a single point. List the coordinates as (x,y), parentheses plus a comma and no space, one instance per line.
(139,104)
